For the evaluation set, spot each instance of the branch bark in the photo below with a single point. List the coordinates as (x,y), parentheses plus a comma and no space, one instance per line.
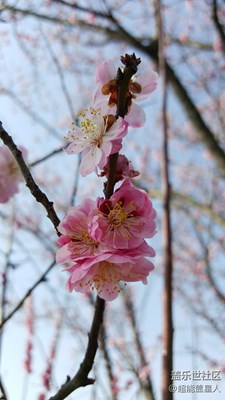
(218,25)
(30,183)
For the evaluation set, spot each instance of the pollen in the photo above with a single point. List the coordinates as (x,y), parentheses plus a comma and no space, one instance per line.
(107,278)
(122,221)
(81,242)
(118,215)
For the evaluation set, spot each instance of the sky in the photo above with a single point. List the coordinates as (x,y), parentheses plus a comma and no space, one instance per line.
(46,100)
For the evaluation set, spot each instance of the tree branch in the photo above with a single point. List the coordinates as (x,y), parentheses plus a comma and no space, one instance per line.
(218,25)
(210,276)
(78,7)
(30,183)
(81,377)
(146,385)
(44,158)
(28,293)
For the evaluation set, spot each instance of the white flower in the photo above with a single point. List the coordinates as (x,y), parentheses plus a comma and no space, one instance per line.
(97,137)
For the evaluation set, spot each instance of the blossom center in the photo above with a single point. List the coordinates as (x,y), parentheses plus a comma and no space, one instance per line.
(93,127)
(111,88)
(122,221)
(82,242)
(118,215)
(107,278)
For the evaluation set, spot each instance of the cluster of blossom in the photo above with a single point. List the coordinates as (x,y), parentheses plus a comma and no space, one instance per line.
(104,240)
(10,175)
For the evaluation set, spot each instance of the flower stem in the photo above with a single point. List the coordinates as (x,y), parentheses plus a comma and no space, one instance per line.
(123,79)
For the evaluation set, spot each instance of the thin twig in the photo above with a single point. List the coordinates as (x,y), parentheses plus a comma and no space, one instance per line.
(219,293)
(108,362)
(60,75)
(146,386)
(28,293)
(3,297)
(49,155)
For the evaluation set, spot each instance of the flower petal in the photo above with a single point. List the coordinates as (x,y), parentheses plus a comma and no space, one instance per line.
(105,72)
(136,116)
(148,81)
(90,159)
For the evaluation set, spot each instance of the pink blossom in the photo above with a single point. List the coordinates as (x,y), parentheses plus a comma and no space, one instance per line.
(125,219)
(42,396)
(105,271)
(10,175)
(76,241)
(96,263)
(124,169)
(139,88)
(97,137)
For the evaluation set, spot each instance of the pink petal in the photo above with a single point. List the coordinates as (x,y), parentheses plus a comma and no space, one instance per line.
(90,159)
(139,271)
(105,72)
(75,148)
(148,81)
(136,116)
(63,254)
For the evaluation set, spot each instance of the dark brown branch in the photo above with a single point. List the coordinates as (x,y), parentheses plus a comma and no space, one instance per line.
(54,19)
(81,378)
(30,183)
(78,7)
(218,25)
